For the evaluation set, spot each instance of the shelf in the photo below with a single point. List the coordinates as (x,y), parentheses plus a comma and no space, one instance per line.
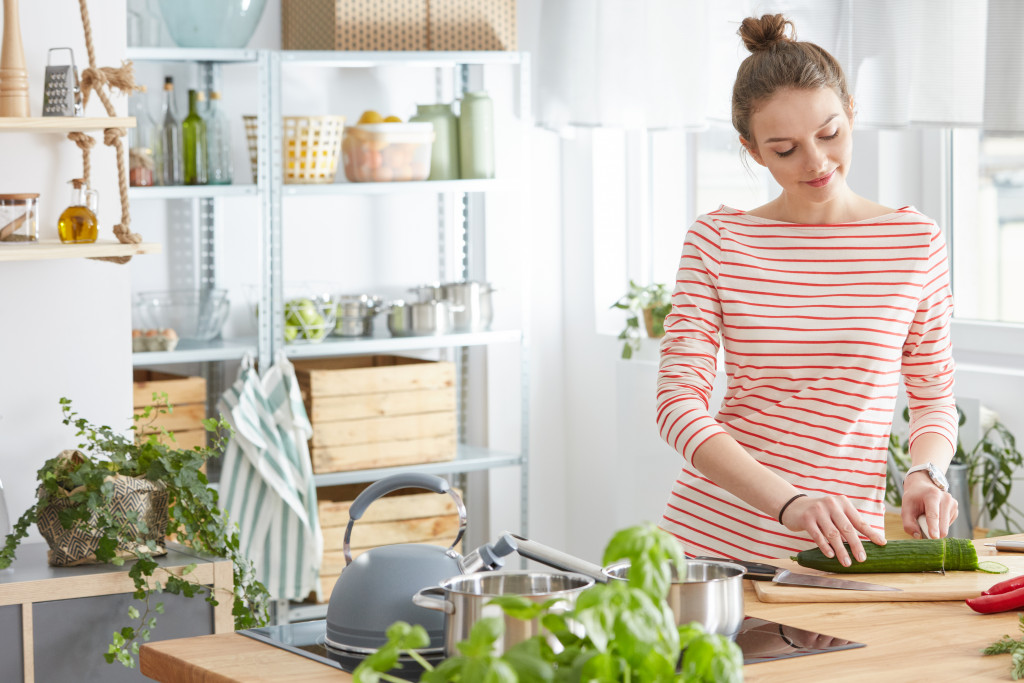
(337,346)
(48,250)
(63,124)
(188,54)
(189,351)
(468,459)
(191,191)
(489,185)
(352,59)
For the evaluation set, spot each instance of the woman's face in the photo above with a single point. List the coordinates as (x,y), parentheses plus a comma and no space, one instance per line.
(803,137)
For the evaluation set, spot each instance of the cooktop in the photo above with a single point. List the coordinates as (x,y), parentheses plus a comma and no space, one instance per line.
(759,639)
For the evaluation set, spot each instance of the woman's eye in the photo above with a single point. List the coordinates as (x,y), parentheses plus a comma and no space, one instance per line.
(786,153)
(831,137)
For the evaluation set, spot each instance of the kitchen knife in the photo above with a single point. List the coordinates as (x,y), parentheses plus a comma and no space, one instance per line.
(783,577)
(1008,546)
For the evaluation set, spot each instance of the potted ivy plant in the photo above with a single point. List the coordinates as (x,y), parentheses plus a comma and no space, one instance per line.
(651,302)
(81,494)
(990,465)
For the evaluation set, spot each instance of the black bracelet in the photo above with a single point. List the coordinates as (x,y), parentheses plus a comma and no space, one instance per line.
(783,510)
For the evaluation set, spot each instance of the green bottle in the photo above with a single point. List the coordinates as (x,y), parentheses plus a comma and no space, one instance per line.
(193,137)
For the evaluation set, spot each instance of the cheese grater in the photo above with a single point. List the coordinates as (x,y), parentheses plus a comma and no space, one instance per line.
(61,94)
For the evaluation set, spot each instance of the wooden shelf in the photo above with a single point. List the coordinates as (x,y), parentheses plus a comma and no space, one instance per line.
(62,124)
(47,250)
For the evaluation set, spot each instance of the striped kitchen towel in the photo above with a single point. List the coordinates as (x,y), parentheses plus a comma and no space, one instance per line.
(267,484)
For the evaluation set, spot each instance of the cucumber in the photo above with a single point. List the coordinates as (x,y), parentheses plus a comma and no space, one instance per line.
(924,555)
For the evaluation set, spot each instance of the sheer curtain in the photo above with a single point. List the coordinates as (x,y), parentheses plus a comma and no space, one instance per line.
(671,63)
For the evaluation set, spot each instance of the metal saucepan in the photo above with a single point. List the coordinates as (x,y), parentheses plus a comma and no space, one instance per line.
(474,298)
(711,593)
(355,315)
(415,318)
(464,599)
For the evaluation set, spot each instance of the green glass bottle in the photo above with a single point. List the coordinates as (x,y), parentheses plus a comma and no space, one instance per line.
(193,138)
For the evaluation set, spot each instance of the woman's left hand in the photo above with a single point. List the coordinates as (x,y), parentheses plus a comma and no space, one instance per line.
(922,497)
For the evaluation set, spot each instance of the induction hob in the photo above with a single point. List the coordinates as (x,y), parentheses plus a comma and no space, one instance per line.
(759,639)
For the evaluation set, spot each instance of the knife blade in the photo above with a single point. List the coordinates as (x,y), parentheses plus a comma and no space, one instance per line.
(760,571)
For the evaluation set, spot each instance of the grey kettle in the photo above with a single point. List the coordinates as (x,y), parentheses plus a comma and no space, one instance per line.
(376,589)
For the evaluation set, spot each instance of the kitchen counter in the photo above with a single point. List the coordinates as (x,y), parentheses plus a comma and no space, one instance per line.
(906,641)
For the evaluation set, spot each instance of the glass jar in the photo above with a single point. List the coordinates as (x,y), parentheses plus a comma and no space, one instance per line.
(444,155)
(476,136)
(78,224)
(19,218)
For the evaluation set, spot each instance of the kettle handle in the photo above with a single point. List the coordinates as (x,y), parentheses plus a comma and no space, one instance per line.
(395,482)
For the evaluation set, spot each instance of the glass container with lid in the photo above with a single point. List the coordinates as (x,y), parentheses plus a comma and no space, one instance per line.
(78,223)
(19,218)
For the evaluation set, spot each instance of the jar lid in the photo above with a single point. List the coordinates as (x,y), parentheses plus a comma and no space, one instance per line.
(22,196)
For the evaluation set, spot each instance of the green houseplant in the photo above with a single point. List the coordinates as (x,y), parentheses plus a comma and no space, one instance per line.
(991,464)
(79,489)
(628,632)
(652,302)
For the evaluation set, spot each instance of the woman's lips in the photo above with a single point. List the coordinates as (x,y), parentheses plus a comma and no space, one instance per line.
(823,180)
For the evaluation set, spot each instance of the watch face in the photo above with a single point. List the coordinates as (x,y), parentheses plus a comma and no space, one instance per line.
(938,477)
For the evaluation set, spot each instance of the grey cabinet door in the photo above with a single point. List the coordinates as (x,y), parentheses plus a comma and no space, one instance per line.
(10,643)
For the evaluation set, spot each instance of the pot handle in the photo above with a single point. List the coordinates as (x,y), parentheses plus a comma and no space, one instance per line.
(556,558)
(432,597)
(395,482)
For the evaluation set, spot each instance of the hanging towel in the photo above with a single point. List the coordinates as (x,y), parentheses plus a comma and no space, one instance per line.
(267,484)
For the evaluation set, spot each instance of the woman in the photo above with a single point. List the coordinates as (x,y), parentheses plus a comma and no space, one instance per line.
(822,299)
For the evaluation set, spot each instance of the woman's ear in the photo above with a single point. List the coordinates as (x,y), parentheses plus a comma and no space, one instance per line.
(751,150)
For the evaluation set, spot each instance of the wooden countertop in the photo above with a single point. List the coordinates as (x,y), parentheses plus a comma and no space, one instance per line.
(906,641)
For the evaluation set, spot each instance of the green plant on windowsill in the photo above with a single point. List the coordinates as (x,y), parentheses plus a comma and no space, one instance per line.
(82,494)
(653,303)
(991,464)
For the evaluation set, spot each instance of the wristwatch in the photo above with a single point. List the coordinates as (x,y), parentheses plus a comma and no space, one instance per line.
(938,478)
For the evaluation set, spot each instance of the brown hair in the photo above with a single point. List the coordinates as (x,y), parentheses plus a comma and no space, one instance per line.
(779,61)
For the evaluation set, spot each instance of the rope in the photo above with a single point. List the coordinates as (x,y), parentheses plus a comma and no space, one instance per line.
(100,80)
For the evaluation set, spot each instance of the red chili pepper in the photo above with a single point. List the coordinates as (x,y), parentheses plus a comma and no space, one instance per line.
(1000,602)
(1006,586)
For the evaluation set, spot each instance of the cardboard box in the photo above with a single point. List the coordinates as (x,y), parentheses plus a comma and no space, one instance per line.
(404,516)
(378,411)
(187,396)
(398,25)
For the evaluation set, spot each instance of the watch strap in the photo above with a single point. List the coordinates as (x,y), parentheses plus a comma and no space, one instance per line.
(926,467)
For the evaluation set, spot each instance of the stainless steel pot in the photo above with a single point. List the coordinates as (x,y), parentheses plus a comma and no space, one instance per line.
(464,599)
(415,318)
(475,299)
(711,594)
(355,315)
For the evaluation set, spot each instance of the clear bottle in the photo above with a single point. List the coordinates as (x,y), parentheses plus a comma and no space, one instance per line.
(141,142)
(476,136)
(444,154)
(78,223)
(218,142)
(193,137)
(170,139)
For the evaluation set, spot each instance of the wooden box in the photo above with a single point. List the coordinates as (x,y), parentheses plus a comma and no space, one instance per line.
(378,411)
(404,516)
(187,395)
(398,25)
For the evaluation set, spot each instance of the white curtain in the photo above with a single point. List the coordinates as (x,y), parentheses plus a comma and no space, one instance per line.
(671,63)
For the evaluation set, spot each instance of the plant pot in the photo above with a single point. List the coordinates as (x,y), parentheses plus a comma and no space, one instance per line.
(77,545)
(650,318)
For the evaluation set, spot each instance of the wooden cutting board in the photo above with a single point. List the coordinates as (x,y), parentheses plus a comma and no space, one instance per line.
(918,587)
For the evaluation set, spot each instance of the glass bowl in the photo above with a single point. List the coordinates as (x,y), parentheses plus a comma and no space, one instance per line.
(191,314)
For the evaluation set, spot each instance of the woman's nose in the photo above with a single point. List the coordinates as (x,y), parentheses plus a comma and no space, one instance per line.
(817,159)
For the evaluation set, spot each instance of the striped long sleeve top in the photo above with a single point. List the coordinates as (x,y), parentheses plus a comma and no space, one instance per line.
(817,324)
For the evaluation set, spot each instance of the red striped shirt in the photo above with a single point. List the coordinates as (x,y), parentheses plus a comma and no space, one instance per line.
(817,324)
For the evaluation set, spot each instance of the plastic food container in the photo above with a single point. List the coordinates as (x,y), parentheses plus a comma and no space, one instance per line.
(385,152)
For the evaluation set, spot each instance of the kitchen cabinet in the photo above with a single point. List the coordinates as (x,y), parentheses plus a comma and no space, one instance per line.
(460,234)
(56,622)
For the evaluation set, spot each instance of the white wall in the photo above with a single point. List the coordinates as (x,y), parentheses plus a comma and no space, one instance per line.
(65,328)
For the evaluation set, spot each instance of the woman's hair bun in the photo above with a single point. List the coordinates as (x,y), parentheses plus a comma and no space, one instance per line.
(762,34)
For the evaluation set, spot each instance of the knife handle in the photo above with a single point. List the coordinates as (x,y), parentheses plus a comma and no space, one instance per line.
(757,571)
(1008,546)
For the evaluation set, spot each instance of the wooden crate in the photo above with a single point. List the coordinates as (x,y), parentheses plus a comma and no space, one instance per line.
(378,411)
(404,516)
(187,395)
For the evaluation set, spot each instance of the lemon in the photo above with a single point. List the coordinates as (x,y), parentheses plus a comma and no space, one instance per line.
(370,116)
(392,119)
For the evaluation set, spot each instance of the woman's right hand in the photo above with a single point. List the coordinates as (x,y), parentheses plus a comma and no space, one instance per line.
(829,521)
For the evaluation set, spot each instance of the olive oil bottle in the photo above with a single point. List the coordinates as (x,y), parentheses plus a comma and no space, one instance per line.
(78,223)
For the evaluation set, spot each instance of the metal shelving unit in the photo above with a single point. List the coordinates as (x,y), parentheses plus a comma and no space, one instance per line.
(462,240)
